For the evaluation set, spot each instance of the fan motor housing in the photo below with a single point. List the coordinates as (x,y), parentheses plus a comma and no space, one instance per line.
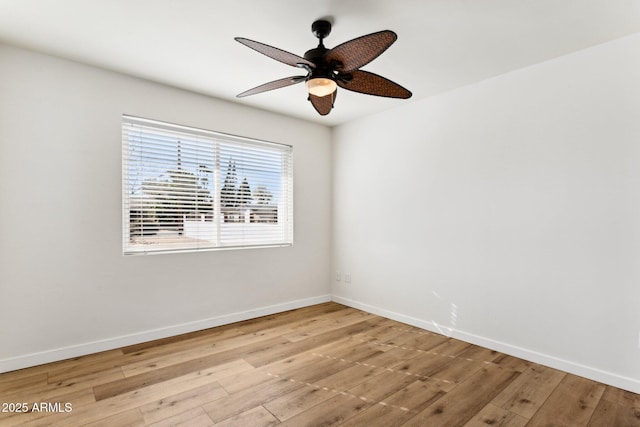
(322,69)
(315,55)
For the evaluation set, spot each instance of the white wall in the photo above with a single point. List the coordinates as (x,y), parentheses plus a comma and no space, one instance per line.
(506,213)
(64,284)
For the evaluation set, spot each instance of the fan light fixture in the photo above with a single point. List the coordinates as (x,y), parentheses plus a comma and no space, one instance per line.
(329,68)
(321,86)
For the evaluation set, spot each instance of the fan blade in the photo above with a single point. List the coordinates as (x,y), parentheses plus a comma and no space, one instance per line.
(276,84)
(323,104)
(277,54)
(358,52)
(372,84)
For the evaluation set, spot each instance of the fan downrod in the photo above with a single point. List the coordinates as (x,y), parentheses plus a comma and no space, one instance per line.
(321,28)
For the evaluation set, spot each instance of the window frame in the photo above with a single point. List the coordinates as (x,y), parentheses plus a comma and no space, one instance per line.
(283,225)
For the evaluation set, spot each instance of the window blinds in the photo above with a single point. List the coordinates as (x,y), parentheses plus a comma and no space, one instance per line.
(187,189)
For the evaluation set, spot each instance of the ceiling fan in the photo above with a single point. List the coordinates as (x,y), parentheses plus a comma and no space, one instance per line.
(329,68)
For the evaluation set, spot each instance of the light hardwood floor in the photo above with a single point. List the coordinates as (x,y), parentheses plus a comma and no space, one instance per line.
(319,366)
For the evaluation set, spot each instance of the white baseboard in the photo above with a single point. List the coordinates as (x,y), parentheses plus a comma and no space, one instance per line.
(595,374)
(63,353)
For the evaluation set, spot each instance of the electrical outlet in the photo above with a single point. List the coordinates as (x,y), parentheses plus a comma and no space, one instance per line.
(347,277)
(338,276)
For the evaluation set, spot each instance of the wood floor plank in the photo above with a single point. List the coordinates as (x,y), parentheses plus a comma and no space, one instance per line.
(482,354)
(170,406)
(195,417)
(464,401)
(450,347)
(289,317)
(93,378)
(324,370)
(397,408)
(330,412)
(445,369)
(383,333)
(380,387)
(416,396)
(255,417)
(21,383)
(378,415)
(527,393)
(492,415)
(617,407)
(349,377)
(573,403)
(237,403)
(305,367)
(424,342)
(510,362)
(608,413)
(183,340)
(85,365)
(149,354)
(353,352)
(391,357)
(130,418)
(10,376)
(298,401)
(320,325)
(255,376)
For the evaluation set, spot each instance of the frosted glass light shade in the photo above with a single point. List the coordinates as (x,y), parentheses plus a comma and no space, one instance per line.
(321,86)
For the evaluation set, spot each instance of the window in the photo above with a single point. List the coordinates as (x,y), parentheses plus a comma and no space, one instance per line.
(187,189)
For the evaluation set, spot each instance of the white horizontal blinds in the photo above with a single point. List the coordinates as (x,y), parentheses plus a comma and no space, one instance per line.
(191,189)
(167,180)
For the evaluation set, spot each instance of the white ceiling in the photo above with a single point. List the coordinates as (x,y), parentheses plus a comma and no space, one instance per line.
(442,44)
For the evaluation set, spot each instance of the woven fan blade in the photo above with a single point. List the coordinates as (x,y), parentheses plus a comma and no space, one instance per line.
(276,84)
(323,104)
(358,52)
(373,84)
(275,53)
